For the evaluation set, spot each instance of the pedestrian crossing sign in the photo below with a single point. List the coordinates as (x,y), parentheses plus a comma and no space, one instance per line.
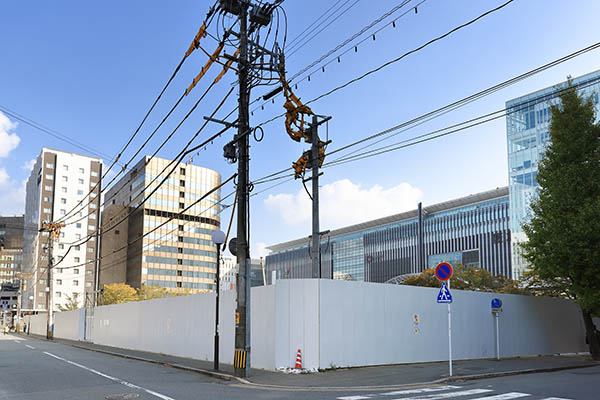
(444,296)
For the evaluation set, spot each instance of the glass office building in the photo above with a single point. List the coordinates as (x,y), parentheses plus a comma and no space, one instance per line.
(472,230)
(527,128)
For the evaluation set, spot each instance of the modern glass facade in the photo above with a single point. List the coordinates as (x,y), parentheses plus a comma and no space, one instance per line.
(473,230)
(527,128)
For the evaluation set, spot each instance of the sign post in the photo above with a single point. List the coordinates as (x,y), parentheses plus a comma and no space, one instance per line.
(444,272)
(496,310)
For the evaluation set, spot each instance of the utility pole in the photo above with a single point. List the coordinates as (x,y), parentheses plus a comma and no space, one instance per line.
(242,328)
(316,159)
(49,303)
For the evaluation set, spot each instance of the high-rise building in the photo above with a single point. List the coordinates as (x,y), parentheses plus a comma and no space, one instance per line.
(527,128)
(180,253)
(59,183)
(471,230)
(11,248)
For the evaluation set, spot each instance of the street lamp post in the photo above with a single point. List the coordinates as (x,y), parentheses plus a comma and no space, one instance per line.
(30,311)
(218,237)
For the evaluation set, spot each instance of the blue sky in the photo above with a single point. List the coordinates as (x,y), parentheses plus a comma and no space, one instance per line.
(91,70)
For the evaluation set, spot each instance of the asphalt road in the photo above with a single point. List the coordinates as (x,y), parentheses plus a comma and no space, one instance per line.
(33,369)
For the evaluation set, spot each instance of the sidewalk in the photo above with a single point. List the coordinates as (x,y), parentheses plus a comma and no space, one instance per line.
(374,377)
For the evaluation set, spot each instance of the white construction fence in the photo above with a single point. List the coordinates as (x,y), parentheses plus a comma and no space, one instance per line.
(334,323)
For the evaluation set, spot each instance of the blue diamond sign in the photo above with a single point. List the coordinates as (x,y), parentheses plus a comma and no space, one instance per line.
(444,296)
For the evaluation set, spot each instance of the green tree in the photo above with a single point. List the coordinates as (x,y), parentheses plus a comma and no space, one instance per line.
(469,278)
(563,233)
(71,304)
(116,293)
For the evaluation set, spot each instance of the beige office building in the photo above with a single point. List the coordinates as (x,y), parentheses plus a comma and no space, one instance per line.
(180,254)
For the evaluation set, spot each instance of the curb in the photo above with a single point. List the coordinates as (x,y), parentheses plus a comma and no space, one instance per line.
(229,378)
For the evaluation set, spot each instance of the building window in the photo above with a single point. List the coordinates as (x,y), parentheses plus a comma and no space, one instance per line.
(61,246)
(182,171)
(90,249)
(76,247)
(93,205)
(63,189)
(181,205)
(65,167)
(57,294)
(65,179)
(41,294)
(60,270)
(92,216)
(49,188)
(180,239)
(88,284)
(50,165)
(91,227)
(59,281)
(76,270)
(63,201)
(63,211)
(180,250)
(50,177)
(76,259)
(78,236)
(81,171)
(94,173)
(181,194)
(181,182)
(47,210)
(117,232)
(80,181)
(78,225)
(178,284)
(79,192)
(181,228)
(75,282)
(179,261)
(179,273)
(47,199)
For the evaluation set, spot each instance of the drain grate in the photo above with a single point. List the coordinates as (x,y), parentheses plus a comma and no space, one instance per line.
(124,396)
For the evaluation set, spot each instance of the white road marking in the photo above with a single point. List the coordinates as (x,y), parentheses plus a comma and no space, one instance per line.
(122,382)
(422,390)
(440,396)
(31,347)
(354,398)
(505,396)
(554,398)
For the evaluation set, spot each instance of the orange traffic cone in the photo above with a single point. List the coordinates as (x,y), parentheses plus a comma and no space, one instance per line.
(299,360)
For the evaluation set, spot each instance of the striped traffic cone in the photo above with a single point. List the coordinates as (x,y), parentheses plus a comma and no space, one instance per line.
(299,360)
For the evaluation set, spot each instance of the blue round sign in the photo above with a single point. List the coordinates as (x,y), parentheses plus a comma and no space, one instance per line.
(444,271)
(496,303)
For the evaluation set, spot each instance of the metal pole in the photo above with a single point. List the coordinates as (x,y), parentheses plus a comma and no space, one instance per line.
(98,242)
(49,303)
(497,336)
(316,235)
(19,304)
(449,334)
(216,352)
(242,329)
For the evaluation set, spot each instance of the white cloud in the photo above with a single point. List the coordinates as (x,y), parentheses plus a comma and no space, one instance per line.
(345,203)
(28,166)
(3,176)
(9,141)
(259,250)
(12,195)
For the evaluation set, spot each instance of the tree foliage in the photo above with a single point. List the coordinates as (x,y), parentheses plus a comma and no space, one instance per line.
(71,304)
(117,293)
(563,246)
(151,292)
(468,278)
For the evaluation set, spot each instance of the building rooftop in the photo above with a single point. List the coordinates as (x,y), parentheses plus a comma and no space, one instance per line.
(444,206)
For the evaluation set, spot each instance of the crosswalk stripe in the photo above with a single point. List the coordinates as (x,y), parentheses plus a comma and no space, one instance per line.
(353,398)
(422,390)
(505,396)
(440,396)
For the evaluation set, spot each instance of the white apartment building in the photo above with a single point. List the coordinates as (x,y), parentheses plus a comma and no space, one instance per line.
(59,181)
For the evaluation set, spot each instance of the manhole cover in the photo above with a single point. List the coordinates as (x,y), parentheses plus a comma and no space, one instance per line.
(122,396)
